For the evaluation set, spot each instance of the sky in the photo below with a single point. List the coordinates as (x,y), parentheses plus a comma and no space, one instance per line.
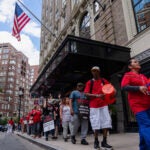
(30,34)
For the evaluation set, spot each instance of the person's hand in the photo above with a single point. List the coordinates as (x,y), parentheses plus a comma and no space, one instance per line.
(72,113)
(143,89)
(102,96)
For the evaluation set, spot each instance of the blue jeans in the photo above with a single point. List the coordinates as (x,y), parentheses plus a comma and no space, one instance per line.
(143,119)
(36,128)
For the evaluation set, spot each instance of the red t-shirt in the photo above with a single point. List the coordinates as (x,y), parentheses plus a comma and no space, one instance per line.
(137,100)
(11,122)
(96,89)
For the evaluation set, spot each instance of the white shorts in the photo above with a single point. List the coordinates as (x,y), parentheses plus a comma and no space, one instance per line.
(100,118)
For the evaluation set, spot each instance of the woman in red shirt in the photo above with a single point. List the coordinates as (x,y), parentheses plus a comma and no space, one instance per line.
(139,100)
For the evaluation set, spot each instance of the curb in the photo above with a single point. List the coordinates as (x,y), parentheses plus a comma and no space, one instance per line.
(37,143)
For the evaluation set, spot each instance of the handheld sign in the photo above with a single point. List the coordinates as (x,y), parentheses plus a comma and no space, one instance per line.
(109,91)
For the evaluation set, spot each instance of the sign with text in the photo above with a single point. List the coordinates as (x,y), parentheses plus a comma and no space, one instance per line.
(48,124)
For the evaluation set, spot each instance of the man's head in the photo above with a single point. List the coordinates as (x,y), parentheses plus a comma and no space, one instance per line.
(80,86)
(95,72)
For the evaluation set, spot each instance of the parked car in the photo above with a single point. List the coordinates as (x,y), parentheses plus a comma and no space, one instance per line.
(3,128)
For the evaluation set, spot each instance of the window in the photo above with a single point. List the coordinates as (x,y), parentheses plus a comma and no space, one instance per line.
(4,62)
(63,3)
(85,26)
(12,62)
(5,56)
(6,51)
(96,7)
(142,13)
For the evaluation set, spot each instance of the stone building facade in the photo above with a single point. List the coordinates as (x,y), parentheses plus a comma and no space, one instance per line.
(118,22)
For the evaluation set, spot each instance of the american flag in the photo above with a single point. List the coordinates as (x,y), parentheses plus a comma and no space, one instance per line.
(20,20)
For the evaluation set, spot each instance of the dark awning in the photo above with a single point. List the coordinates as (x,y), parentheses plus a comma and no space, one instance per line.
(72,63)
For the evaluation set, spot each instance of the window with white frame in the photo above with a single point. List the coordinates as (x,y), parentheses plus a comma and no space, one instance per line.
(142,14)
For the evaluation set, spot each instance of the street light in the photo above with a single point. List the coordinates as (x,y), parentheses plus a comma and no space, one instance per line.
(20,96)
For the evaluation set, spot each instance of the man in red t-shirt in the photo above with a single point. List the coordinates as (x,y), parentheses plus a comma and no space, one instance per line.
(99,113)
(139,100)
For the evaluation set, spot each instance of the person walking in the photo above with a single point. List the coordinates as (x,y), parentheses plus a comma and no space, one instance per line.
(10,126)
(65,116)
(76,120)
(99,113)
(136,84)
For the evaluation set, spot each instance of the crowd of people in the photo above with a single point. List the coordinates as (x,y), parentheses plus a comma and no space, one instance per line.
(66,115)
(72,112)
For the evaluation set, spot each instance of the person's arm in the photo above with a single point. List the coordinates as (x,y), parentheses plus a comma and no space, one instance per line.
(126,86)
(90,95)
(70,102)
(60,112)
(131,88)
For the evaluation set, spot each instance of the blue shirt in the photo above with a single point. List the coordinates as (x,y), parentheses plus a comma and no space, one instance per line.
(74,96)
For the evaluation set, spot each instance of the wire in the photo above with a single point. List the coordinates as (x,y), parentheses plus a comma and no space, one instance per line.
(38,20)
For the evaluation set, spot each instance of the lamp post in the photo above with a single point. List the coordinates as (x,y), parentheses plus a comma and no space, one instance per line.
(20,96)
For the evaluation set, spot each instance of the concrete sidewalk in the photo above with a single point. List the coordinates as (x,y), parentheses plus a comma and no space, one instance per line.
(123,141)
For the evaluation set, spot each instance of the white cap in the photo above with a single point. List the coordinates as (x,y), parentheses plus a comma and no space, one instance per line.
(95,68)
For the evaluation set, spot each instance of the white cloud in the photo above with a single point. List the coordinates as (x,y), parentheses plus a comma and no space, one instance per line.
(7,15)
(25,45)
(32,28)
(6,9)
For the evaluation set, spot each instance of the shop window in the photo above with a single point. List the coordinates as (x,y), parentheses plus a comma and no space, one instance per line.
(142,13)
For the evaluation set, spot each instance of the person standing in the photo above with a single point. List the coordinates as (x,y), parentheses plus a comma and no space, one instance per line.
(65,116)
(48,111)
(76,120)
(139,100)
(99,113)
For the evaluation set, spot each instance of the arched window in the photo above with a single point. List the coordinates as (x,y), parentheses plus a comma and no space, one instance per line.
(84,29)
(96,6)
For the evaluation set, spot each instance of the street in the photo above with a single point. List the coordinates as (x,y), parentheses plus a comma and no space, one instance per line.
(14,142)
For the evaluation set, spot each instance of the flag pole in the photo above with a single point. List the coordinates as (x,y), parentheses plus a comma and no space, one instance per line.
(38,19)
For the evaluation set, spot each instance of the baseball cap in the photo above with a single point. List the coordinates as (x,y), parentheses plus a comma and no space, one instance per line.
(80,84)
(95,68)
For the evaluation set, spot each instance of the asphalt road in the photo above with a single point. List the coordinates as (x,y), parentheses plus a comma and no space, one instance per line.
(14,142)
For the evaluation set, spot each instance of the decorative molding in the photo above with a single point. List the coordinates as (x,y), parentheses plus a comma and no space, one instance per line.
(144,55)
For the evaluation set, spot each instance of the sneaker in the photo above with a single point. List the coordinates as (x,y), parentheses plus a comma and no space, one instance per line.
(84,142)
(46,139)
(65,139)
(54,137)
(96,144)
(105,145)
(73,140)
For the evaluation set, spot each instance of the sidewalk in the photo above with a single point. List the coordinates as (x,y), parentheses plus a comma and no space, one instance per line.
(123,141)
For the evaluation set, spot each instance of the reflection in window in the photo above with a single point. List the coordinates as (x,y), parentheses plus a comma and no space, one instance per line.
(142,13)
(85,26)
(96,6)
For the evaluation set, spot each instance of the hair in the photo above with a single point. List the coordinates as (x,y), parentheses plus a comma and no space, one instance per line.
(63,102)
(129,61)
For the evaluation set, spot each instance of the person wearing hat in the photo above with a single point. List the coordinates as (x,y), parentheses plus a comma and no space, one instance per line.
(99,113)
(76,120)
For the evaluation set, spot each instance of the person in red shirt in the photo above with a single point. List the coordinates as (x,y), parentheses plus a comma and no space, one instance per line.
(10,126)
(99,113)
(139,100)
(36,120)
